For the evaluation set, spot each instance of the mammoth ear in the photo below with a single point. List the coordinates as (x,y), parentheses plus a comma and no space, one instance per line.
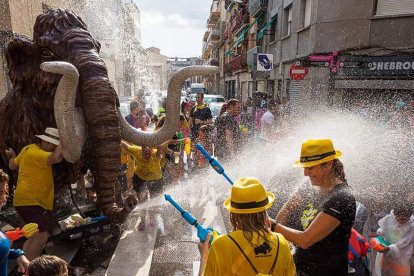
(20,57)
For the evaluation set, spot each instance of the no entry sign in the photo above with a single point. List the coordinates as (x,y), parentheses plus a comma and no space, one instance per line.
(298,72)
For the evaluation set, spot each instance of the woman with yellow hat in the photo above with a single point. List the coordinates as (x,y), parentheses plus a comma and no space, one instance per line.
(326,214)
(251,249)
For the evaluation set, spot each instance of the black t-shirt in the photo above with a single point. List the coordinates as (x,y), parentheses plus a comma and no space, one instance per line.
(202,113)
(331,252)
(223,123)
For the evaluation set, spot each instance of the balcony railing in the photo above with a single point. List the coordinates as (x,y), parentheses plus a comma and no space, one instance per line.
(214,37)
(241,18)
(256,7)
(237,64)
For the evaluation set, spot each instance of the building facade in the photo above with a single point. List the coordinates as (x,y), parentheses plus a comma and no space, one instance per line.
(115,24)
(157,64)
(324,53)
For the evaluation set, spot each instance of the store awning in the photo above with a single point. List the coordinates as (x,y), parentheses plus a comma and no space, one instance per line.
(229,52)
(240,38)
(261,32)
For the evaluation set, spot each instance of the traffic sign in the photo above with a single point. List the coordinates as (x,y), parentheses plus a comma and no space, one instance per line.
(264,62)
(298,72)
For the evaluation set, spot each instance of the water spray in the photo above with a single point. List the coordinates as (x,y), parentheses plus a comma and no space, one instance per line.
(214,163)
(202,232)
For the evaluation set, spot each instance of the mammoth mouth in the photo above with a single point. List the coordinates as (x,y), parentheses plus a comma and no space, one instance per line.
(70,119)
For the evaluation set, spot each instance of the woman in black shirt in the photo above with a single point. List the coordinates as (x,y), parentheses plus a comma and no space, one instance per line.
(324,216)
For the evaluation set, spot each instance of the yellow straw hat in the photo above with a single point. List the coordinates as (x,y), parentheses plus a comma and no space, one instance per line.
(248,196)
(315,152)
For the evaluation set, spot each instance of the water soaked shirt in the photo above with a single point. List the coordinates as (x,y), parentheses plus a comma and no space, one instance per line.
(332,250)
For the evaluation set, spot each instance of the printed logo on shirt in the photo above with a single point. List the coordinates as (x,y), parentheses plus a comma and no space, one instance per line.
(264,248)
(308,214)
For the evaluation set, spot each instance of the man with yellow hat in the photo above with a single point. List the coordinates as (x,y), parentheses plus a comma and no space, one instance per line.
(324,215)
(34,193)
(251,249)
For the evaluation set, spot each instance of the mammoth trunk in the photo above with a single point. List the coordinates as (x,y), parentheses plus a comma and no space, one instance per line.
(98,99)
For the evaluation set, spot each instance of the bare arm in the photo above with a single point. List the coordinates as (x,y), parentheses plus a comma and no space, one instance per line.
(289,207)
(319,229)
(56,156)
(230,142)
(11,155)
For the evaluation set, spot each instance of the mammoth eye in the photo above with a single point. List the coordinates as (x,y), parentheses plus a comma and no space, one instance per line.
(46,53)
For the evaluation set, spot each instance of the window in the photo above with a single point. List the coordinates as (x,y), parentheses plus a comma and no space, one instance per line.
(396,7)
(287,15)
(306,8)
(273,29)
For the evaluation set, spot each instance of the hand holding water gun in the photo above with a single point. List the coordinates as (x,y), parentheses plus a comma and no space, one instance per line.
(202,232)
(214,163)
(27,231)
(380,244)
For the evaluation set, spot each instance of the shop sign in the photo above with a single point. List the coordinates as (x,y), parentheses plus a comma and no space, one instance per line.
(377,66)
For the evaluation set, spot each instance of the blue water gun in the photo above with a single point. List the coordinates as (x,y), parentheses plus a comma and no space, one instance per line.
(214,163)
(201,231)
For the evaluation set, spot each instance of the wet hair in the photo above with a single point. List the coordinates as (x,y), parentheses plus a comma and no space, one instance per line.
(4,177)
(46,265)
(160,122)
(338,170)
(206,130)
(133,105)
(403,209)
(202,94)
(232,102)
(249,224)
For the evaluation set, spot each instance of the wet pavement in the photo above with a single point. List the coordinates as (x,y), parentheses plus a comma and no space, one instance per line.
(169,247)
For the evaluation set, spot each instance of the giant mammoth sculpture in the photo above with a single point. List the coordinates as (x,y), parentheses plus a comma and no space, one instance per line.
(81,103)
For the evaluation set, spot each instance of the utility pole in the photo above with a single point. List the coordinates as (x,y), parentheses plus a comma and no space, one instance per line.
(254,84)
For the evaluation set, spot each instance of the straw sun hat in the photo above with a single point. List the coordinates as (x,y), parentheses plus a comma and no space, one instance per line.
(51,135)
(315,152)
(248,196)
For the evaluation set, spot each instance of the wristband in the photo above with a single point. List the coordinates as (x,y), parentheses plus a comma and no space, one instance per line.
(273,226)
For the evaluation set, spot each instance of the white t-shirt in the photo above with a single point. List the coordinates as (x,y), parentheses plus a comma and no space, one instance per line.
(267,126)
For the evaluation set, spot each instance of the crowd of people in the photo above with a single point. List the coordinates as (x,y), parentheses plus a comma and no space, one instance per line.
(318,222)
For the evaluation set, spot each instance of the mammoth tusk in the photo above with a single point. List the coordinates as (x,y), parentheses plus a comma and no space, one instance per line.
(172,120)
(69,119)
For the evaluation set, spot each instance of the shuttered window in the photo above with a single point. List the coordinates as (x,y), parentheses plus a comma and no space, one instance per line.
(394,7)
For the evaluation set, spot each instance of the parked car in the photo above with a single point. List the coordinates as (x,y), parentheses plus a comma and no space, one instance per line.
(214,99)
(215,108)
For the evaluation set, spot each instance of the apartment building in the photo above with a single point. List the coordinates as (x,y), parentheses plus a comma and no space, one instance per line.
(115,24)
(325,52)
(157,63)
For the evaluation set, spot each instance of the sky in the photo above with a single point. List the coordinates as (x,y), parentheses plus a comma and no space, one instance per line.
(174,26)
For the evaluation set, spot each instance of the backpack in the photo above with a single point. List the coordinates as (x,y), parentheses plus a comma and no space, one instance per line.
(255,270)
(358,248)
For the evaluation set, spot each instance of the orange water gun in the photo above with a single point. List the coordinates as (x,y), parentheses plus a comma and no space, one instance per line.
(379,243)
(27,231)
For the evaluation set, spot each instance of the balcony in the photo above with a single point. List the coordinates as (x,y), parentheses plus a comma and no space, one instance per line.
(206,35)
(206,50)
(239,20)
(214,37)
(228,35)
(227,3)
(214,15)
(256,7)
(237,64)
(213,62)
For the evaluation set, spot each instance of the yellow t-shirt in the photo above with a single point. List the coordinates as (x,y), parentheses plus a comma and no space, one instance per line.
(146,169)
(225,258)
(35,181)
(126,158)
